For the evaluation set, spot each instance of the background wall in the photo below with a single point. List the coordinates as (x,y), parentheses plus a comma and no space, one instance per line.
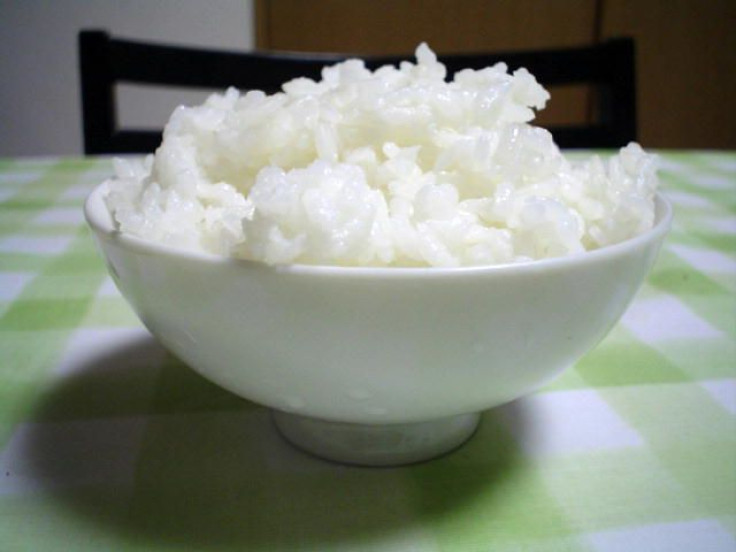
(686,49)
(39,95)
(686,53)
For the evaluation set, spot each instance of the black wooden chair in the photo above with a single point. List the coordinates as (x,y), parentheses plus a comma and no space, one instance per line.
(105,61)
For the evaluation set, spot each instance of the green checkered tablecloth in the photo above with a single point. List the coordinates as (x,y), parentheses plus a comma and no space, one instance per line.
(107,442)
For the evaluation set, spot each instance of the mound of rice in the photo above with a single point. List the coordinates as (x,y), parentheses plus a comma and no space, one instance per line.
(396,167)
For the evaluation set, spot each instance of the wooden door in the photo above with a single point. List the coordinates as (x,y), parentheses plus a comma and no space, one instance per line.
(686,49)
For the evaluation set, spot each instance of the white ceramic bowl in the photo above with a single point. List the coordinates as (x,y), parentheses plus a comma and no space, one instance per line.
(376,365)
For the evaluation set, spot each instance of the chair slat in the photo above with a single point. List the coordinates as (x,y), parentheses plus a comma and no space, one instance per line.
(106,61)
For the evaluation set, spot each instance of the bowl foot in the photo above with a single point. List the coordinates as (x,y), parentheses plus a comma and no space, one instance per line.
(376,445)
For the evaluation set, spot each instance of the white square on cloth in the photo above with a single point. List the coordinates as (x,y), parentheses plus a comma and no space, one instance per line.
(16,179)
(688,536)
(108,288)
(711,181)
(704,260)
(60,215)
(12,283)
(722,225)
(6,193)
(723,392)
(90,344)
(687,199)
(569,422)
(78,191)
(664,317)
(46,245)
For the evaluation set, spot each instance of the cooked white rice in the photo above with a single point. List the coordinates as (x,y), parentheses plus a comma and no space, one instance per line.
(395,167)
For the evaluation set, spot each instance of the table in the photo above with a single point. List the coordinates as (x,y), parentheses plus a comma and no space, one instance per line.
(107,442)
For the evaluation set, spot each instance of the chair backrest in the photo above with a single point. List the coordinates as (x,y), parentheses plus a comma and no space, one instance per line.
(105,61)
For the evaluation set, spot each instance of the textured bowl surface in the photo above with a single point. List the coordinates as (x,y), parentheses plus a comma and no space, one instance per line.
(376,345)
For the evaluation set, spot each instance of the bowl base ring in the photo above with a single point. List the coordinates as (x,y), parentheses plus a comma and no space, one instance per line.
(376,444)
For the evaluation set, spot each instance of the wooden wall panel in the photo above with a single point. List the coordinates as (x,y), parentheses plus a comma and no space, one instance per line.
(686,48)
(686,74)
(397,26)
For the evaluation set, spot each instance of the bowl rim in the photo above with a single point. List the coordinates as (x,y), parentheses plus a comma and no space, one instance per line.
(100,220)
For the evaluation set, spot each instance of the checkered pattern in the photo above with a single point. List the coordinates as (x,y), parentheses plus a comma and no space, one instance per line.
(108,442)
